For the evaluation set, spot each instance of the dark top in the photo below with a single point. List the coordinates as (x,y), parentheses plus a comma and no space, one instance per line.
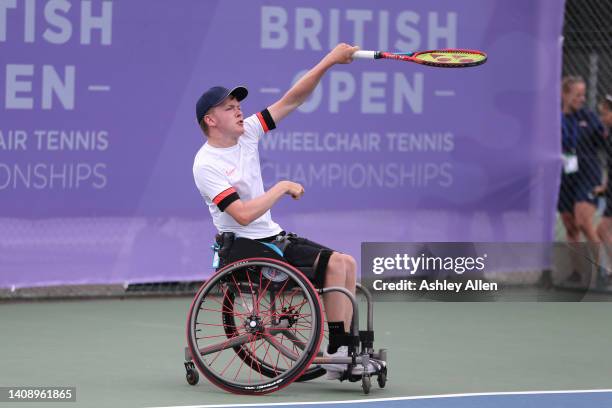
(582,135)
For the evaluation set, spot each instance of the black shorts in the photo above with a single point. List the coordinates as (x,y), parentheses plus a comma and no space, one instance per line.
(302,252)
(574,190)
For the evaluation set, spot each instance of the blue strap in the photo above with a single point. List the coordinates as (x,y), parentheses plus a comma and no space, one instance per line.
(215,248)
(273,247)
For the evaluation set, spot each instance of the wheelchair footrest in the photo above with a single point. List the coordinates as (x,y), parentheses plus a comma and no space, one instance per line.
(380,369)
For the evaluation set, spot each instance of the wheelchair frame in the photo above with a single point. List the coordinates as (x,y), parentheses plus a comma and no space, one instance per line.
(361,343)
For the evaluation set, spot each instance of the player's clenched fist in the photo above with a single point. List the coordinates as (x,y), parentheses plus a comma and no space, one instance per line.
(295,190)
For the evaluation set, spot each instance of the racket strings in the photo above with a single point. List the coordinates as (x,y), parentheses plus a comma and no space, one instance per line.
(451,57)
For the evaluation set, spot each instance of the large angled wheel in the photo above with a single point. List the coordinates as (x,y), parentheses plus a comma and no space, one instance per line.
(293,308)
(255,326)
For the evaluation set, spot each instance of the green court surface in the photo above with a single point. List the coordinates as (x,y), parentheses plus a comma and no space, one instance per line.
(129,353)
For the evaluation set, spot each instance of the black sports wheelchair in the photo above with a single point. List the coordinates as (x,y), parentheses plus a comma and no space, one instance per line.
(257,324)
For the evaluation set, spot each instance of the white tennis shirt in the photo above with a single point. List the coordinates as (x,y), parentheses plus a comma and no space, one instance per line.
(224,175)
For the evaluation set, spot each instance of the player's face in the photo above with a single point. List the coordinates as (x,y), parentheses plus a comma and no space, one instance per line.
(605,114)
(575,97)
(228,117)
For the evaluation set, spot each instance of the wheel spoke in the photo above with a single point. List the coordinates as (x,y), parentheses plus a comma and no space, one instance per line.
(255,306)
(279,346)
(240,293)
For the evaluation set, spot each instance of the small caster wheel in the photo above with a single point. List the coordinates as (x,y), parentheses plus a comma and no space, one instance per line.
(382,378)
(192,375)
(366,384)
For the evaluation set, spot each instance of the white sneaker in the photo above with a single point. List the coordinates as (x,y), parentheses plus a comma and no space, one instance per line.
(358,369)
(335,371)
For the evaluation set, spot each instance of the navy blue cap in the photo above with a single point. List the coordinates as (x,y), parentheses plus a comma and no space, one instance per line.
(215,96)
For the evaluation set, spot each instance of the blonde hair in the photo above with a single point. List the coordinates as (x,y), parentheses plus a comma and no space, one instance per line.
(203,124)
(569,81)
(607,102)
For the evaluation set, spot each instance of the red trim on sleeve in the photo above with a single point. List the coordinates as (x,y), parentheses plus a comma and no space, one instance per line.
(262,121)
(223,194)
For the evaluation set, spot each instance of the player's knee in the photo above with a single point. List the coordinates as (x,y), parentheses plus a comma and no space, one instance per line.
(351,265)
(336,266)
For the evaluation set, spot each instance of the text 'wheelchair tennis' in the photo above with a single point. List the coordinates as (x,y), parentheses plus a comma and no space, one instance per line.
(257,325)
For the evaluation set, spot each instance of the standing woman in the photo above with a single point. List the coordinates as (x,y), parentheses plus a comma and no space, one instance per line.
(582,137)
(604,230)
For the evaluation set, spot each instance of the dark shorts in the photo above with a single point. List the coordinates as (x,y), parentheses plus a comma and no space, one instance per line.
(574,190)
(302,252)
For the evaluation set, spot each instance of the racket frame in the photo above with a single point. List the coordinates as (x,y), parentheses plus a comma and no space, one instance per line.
(412,56)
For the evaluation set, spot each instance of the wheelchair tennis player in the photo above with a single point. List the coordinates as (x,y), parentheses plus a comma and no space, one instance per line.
(227,173)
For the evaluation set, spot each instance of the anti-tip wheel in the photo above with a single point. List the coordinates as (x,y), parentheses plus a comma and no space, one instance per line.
(382,378)
(366,384)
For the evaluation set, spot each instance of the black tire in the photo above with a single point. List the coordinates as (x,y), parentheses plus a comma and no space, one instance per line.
(366,384)
(312,373)
(192,377)
(246,329)
(382,378)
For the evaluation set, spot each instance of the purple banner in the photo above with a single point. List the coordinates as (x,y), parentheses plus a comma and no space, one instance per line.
(98,129)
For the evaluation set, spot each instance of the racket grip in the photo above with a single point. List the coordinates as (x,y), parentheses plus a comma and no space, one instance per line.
(362,54)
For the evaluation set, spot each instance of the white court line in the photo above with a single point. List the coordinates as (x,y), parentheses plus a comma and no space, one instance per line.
(444,93)
(98,88)
(415,397)
(269,90)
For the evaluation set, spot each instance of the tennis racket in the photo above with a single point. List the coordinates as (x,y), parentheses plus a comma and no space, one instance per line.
(447,58)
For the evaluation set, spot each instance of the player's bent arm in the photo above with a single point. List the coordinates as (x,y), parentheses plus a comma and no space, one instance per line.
(245,212)
(298,92)
(301,90)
